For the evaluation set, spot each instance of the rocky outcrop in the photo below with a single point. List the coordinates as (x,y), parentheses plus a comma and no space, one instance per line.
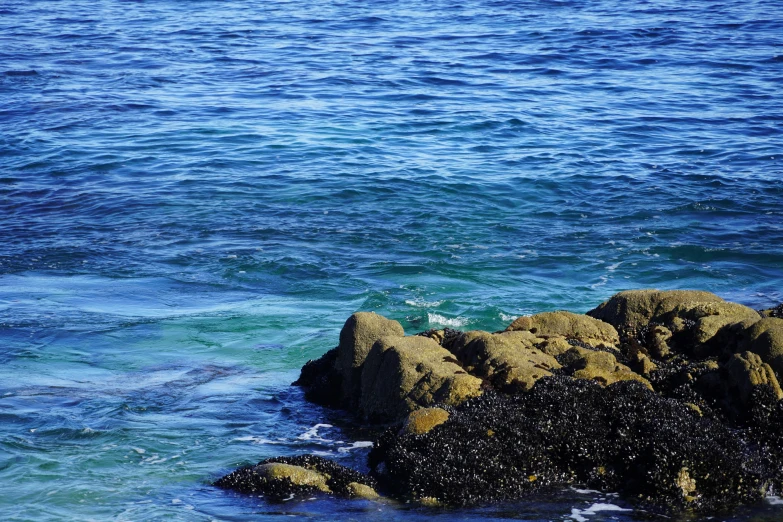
(746,371)
(630,311)
(773,312)
(672,398)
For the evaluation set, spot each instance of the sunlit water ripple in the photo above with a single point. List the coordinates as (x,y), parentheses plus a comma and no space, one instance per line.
(195,195)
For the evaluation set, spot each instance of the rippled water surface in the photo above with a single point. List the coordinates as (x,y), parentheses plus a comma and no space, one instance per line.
(195,195)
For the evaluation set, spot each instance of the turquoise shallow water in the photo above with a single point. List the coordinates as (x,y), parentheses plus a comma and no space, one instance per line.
(194,196)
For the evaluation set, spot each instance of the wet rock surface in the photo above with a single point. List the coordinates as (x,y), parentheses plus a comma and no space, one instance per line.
(671,398)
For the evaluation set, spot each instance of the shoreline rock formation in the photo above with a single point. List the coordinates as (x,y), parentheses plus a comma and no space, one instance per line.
(671,398)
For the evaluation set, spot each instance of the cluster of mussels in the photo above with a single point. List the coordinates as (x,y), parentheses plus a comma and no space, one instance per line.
(670,398)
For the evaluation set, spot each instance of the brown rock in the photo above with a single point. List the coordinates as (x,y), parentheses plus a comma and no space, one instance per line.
(658,341)
(632,310)
(710,318)
(601,367)
(642,364)
(746,371)
(765,337)
(359,333)
(506,359)
(554,346)
(569,325)
(402,374)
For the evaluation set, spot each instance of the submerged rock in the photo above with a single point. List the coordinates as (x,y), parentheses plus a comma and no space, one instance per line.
(283,478)
(671,398)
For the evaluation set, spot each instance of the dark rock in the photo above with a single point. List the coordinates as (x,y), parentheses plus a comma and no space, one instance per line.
(322,382)
(622,438)
(773,312)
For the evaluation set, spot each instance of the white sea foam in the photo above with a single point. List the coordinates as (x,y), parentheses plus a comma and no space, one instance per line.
(312,433)
(154,459)
(580,515)
(437,319)
(775,500)
(587,491)
(420,303)
(356,445)
(506,317)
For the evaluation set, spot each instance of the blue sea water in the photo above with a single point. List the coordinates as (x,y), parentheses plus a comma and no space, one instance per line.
(195,195)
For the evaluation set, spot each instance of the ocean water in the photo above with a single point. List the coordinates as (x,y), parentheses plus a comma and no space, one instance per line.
(195,195)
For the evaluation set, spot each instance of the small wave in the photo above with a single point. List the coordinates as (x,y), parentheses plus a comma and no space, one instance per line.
(437,319)
(774,500)
(256,440)
(506,317)
(602,280)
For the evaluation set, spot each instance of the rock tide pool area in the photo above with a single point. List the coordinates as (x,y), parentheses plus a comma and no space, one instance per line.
(670,398)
